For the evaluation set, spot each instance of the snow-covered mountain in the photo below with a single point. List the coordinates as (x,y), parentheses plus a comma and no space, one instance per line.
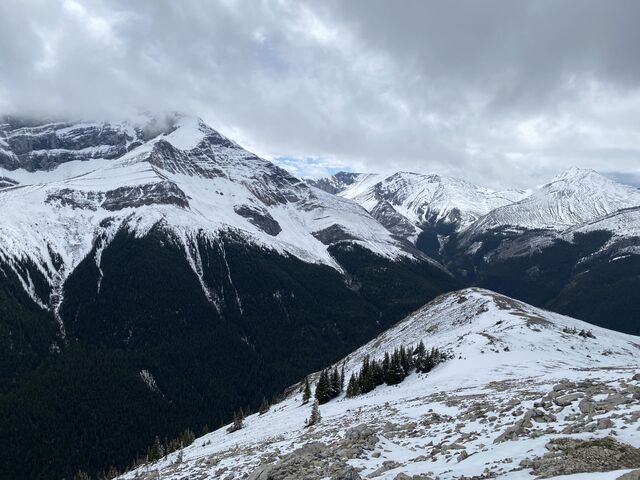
(572,198)
(165,251)
(624,226)
(571,246)
(525,393)
(65,185)
(406,201)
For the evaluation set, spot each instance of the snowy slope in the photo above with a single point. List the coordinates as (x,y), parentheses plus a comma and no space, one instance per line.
(518,378)
(421,198)
(62,186)
(624,226)
(572,198)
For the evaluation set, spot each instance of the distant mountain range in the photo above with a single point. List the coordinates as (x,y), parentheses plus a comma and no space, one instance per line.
(572,245)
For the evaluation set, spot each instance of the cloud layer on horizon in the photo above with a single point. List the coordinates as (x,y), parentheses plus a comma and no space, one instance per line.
(500,93)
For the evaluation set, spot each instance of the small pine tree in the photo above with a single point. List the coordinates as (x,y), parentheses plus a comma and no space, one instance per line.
(323,388)
(335,389)
(405,360)
(386,362)
(112,473)
(367,375)
(80,475)
(264,406)
(186,439)
(396,373)
(238,422)
(315,416)
(420,354)
(378,373)
(306,393)
(353,387)
(342,378)
(156,451)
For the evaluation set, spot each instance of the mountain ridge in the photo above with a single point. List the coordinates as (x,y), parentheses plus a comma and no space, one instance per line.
(537,366)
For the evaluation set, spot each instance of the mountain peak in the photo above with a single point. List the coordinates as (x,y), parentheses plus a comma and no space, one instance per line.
(419,199)
(573,174)
(573,197)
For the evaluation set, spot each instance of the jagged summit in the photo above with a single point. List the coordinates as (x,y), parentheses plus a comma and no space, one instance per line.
(407,201)
(34,146)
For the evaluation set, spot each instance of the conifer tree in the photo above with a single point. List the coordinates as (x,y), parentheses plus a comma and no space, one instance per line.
(335,383)
(420,355)
(323,388)
(187,438)
(238,421)
(156,451)
(367,375)
(306,393)
(112,473)
(264,406)
(396,373)
(80,475)
(385,364)
(315,416)
(353,387)
(405,360)
(342,378)
(378,373)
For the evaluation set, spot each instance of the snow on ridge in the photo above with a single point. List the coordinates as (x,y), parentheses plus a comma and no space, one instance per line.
(62,210)
(574,197)
(462,323)
(416,195)
(189,132)
(508,359)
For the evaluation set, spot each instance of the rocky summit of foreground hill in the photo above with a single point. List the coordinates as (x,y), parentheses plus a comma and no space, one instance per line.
(524,393)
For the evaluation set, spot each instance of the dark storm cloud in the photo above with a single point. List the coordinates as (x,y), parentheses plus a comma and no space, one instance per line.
(498,92)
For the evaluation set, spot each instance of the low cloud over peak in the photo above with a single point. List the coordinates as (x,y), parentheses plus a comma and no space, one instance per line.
(495,92)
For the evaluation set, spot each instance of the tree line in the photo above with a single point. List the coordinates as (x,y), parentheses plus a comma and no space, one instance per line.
(393,369)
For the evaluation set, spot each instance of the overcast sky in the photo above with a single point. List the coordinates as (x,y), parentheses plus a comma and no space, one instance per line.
(498,92)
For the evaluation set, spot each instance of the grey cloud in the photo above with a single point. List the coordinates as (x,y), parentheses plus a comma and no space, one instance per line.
(498,92)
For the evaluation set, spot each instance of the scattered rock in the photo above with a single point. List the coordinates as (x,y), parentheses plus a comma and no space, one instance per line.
(587,407)
(604,423)
(567,456)
(386,466)
(313,461)
(566,400)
